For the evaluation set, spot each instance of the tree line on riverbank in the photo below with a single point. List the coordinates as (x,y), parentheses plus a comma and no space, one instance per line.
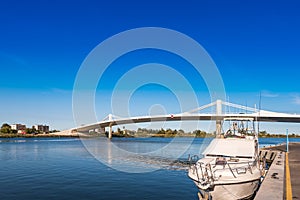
(264,134)
(6,131)
(143,132)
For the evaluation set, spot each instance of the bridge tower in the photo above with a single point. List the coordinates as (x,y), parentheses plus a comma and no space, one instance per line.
(218,117)
(110,118)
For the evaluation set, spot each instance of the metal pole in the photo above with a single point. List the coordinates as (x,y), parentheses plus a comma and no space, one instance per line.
(287,140)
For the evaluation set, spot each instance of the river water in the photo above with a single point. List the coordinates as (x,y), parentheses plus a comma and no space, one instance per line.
(68,168)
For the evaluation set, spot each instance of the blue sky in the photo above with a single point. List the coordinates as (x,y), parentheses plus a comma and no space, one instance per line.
(255,45)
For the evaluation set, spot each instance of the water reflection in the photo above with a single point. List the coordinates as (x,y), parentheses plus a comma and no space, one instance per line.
(29,148)
(139,155)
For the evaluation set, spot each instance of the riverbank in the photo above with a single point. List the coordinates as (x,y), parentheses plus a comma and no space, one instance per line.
(78,135)
(36,135)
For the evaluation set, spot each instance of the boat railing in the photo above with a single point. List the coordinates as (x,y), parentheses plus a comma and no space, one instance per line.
(238,167)
(203,171)
(206,177)
(206,172)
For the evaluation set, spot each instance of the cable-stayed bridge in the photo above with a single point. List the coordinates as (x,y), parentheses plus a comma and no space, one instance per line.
(219,110)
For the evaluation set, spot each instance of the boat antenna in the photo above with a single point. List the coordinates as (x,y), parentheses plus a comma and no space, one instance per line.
(229,110)
(247,113)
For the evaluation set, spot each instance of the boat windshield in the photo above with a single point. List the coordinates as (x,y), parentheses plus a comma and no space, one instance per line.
(243,148)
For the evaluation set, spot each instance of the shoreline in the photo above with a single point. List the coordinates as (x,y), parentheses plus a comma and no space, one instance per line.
(76,135)
(36,136)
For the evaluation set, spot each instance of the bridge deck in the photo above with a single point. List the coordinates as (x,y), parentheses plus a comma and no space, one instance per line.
(192,117)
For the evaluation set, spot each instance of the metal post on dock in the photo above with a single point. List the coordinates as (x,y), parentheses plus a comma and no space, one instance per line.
(287,140)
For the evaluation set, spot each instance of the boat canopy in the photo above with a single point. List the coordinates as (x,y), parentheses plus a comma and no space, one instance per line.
(233,147)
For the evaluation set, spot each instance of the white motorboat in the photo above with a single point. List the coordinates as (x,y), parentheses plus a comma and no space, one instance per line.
(230,167)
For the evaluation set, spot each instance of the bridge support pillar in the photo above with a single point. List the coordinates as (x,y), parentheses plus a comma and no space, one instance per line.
(102,130)
(218,121)
(218,127)
(110,118)
(110,132)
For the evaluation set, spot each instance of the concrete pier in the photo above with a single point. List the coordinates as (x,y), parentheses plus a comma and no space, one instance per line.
(273,185)
(276,186)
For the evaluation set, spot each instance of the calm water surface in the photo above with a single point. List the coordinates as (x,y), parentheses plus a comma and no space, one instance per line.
(64,169)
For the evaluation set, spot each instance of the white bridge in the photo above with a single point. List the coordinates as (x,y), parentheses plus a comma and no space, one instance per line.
(217,106)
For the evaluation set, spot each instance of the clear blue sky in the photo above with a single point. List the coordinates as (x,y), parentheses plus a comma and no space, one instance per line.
(255,45)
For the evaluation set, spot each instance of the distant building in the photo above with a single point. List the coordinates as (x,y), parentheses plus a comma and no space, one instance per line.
(41,128)
(18,127)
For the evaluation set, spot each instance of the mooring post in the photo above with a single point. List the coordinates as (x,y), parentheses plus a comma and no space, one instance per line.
(287,140)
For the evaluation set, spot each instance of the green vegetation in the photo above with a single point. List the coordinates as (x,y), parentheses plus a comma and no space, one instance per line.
(143,132)
(54,131)
(5,128)
(31,131)
(264,134)
(202,134)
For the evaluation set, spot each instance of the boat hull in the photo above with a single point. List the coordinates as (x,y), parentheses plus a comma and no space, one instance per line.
(229,191)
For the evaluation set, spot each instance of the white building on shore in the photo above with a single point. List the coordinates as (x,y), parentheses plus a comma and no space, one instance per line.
(20,128)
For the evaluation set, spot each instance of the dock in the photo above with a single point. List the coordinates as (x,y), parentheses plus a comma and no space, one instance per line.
(282,179)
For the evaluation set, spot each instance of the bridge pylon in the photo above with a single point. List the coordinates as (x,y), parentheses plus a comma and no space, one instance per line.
(218,120)
(110,118)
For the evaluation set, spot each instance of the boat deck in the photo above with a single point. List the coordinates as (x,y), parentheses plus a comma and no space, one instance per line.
(276,184)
